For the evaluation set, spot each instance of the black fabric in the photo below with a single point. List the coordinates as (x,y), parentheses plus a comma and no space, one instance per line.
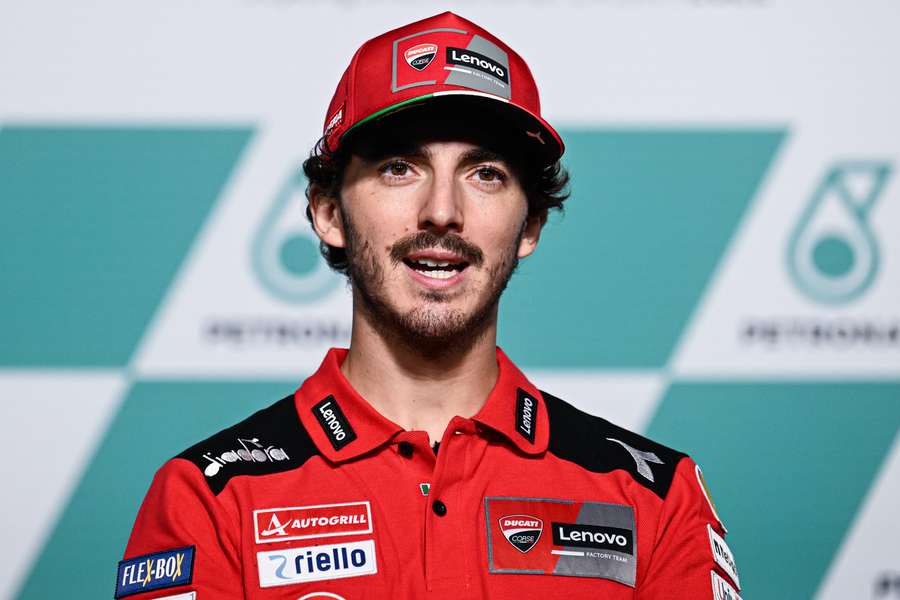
(271,440)
(584,439)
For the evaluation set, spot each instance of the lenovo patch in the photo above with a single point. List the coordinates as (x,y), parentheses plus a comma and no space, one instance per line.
(587,539)
(155,571)
(334,423)
(526,415)
(420,56)
(474,60)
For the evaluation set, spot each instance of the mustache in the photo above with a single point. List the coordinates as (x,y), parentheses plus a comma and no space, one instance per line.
(428,240)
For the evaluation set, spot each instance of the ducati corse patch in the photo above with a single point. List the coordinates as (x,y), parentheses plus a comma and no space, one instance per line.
(587,539)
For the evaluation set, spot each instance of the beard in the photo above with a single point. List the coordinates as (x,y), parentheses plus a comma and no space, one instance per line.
(429,329)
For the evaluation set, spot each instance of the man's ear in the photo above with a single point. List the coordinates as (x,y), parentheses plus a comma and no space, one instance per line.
(531,233)
(326,217)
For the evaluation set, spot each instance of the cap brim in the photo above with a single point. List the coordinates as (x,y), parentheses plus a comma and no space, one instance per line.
(538,138)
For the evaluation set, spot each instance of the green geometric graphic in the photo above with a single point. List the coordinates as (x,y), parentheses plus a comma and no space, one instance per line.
(157,421)
(614,281)
(96,221)
(285,251)
(788,463)
(832,254)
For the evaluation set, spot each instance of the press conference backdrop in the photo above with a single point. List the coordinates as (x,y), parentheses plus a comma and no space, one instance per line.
(726,277)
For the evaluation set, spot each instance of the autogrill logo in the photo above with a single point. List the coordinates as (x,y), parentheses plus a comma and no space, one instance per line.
(302,522)
(480,62)
(251,450)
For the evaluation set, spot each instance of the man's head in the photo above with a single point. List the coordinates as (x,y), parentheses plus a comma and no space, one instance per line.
(429,206)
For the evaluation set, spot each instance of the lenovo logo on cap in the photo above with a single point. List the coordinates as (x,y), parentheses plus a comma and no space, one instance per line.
(420,56)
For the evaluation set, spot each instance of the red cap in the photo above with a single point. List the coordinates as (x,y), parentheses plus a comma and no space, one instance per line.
(441,56)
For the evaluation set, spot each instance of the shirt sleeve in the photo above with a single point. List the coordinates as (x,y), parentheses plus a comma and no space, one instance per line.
(690,558)
(183,540)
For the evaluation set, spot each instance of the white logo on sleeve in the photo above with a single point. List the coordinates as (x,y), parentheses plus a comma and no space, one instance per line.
(288,566)
(722,590)
(723,556)
(641,459)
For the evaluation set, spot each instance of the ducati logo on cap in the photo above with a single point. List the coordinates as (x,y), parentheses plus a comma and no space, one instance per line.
(419,57)
(522,531)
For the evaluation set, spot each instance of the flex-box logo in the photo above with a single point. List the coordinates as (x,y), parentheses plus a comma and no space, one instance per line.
(522,531)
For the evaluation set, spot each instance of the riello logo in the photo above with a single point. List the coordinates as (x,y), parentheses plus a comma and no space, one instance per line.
(251,450)
(522,531)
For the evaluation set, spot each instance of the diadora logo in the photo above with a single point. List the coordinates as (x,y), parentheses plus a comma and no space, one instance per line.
(303,522)
(522,531)
(592,536)
(420,56)
(288,566)
(478,61)
(155,571)
(833,255)
(250,450)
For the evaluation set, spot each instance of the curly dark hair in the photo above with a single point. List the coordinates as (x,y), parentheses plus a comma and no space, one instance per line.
(545,186)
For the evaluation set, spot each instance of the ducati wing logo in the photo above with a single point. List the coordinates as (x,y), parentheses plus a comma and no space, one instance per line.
(522,531)
(419,57)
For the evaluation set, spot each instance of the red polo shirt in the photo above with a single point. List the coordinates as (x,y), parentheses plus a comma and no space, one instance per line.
(320,496)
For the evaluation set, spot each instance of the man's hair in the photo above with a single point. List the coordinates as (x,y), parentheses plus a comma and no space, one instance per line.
(545,187)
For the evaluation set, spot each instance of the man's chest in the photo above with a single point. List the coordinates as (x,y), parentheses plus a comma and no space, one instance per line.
(472,525)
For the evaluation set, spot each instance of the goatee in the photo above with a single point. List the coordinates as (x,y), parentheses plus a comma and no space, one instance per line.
(424,329)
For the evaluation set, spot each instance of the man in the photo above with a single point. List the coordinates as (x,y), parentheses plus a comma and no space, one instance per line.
(421,461)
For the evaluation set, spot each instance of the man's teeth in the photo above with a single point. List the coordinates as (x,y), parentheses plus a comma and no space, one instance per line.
(437,274)
(432,263)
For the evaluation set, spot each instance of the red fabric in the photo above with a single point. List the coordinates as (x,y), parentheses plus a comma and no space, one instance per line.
(419,553)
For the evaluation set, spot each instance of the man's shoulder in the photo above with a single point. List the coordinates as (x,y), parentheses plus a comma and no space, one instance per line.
(599,446)
(269,441)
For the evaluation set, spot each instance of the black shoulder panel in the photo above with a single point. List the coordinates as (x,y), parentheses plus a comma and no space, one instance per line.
(269,441)
(599,446)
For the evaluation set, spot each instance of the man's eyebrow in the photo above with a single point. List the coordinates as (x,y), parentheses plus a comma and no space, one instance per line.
(476,155)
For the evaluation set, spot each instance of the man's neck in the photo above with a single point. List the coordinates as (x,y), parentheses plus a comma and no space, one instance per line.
(419,392)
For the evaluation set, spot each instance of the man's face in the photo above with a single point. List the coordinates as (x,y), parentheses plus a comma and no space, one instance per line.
(433,234)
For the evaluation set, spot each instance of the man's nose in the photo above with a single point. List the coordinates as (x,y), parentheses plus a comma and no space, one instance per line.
(441,208)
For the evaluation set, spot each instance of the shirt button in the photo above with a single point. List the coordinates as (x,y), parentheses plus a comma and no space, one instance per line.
(405,449)
(439,508)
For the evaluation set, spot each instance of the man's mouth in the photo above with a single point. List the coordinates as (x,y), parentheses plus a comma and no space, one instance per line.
(435,267)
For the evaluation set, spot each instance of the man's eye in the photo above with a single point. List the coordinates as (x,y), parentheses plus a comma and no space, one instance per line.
(395,168)
(489,174)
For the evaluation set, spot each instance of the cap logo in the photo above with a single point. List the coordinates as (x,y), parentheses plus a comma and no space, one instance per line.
(420,56)
(468,58)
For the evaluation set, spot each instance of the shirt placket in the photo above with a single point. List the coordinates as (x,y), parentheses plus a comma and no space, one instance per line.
(448,530)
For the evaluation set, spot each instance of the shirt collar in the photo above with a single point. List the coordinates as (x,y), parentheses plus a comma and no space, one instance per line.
(343,425)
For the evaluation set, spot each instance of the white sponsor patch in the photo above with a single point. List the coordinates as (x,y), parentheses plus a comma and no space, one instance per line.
(187,596)
(722,590)
(723,556)
(315,563)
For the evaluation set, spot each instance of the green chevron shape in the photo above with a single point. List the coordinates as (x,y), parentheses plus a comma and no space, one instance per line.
(615,280)
(156,421)
(96,221)
(789,464)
